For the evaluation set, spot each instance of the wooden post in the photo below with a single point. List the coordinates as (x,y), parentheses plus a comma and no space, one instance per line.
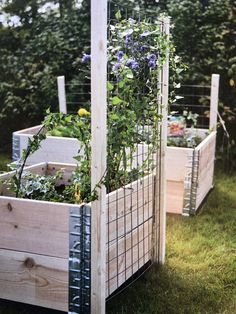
(165,102)
(99,143)
(160,197)
(61,94)
(215,79)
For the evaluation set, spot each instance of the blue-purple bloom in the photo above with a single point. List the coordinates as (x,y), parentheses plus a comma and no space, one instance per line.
(120,55)
(116,66)
(152,57)
(152,64)
(127,40)
(132,64)
(135,65)
(86,58)
(143,48)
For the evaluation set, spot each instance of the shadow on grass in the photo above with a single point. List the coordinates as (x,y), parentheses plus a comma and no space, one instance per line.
(163,290)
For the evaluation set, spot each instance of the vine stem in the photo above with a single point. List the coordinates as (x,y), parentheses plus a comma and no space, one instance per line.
(22,165)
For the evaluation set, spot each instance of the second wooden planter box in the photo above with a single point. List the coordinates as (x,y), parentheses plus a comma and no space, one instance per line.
(190,174)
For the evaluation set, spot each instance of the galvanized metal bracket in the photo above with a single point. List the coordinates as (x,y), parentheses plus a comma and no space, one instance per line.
(80,260)
(191,185)
(15,147)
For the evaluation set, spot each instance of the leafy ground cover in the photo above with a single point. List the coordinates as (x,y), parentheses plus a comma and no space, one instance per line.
(200,272)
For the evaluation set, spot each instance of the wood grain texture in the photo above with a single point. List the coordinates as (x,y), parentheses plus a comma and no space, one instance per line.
(161,198)
(99,151)
(206,167)
(53,148)
(175,195)
(34,226)
(30,228)
(34,279)
(215,81)
(61,94)
(39,168)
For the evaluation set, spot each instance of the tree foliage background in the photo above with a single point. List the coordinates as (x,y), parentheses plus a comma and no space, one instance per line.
(43,45)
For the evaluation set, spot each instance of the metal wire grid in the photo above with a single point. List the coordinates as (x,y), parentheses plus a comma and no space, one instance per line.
(196,98)
(130,209)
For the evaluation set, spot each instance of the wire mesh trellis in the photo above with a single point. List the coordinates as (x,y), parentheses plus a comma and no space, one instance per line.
(194,98)
(130,209)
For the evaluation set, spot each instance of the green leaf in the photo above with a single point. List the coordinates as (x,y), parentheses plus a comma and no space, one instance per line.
(130,75)
(121,84)
(110,86)
(118,15)
(116,100)
(68,119)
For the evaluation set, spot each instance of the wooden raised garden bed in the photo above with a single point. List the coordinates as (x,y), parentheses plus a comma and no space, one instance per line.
(189,170)
(189,175)
(53,148)
(45,247)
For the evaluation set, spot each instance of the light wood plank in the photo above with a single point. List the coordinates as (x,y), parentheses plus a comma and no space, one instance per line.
(175,195)
(206,167)
(34,226)
(215,80)
(39,168)
(159,225)
(61,94)
(99,151)
(32,130)
(34,279)
(66,169)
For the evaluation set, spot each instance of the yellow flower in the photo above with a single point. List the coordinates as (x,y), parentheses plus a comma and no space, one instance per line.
(77,193)
(231,82)
(83,112)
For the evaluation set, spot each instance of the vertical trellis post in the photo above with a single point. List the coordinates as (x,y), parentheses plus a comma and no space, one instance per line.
(165,99)
(160,197)
(61,94)
(215,79)
(99,142)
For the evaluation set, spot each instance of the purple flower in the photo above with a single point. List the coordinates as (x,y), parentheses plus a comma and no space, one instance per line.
(120,55)
(129,62)
(152,57)
(143,48)
(116,66)
(152,64)
(135,65)
(132,64)
(127,40)
(86,58)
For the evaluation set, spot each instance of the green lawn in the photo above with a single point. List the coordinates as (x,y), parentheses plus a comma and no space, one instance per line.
(200,271)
